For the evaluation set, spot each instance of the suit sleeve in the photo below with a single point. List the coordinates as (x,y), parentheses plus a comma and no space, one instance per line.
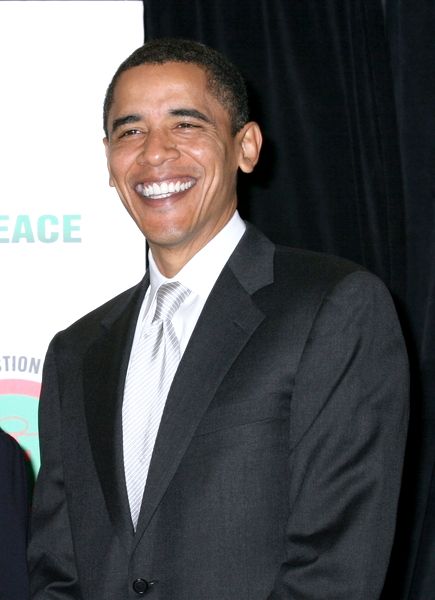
(347,434)
(50,554)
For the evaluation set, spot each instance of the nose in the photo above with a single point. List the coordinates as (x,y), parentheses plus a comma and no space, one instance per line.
(157,148)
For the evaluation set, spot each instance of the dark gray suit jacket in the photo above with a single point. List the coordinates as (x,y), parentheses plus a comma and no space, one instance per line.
(277,466)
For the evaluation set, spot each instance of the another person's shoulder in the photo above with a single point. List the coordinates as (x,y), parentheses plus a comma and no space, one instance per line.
(11,454)
(8,445)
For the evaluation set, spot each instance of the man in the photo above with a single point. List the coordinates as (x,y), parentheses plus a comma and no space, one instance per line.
(271,467)
(14,506)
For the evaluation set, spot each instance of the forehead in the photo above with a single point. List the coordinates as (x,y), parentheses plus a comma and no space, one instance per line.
(163,85)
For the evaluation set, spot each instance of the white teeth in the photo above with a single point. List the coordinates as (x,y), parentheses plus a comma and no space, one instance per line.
(164,188)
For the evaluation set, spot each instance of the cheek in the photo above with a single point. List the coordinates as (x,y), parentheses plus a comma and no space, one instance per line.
(119,162)
(208,153)
(117,180)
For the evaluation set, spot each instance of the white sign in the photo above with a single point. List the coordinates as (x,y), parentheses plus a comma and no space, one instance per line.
(66,242)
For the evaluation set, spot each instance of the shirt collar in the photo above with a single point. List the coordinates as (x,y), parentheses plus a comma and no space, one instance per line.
(201,272)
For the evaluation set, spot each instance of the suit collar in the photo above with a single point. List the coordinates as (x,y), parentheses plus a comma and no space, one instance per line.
(104,370)
(252,260)
(129,301)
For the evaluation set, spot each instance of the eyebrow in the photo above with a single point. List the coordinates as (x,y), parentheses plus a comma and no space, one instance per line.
(176,112)
(190,112)
(117,123)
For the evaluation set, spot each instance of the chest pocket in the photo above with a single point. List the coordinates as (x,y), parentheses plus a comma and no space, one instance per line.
(229,415)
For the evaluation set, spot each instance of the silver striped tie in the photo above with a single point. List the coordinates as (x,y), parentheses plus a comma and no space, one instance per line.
(150,376)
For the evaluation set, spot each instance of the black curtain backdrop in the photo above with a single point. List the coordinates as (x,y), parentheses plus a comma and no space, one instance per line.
(320,87)
(344,91)
(410,29)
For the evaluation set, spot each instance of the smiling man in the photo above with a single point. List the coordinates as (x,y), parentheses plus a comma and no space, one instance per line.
(173,157)
(233,427)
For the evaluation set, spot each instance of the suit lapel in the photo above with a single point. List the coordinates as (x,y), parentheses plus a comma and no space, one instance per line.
(231,311)
(105,367)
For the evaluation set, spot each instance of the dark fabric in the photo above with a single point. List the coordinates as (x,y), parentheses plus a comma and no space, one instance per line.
(318,76)
(411,31)
(341,126)
(13,521)
(245,489)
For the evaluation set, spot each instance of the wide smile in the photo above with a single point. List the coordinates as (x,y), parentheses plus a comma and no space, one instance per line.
(156,190)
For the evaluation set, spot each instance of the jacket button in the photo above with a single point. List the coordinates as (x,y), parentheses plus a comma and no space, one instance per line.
(140,586)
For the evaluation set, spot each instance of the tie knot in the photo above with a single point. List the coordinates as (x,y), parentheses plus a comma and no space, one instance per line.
(169,298)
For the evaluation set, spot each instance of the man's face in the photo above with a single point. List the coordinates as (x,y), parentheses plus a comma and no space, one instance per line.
(172,157)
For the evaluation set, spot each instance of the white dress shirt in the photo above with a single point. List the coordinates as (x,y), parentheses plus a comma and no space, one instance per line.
(199,275)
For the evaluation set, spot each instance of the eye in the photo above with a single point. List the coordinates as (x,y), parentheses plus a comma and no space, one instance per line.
(187,125)
(130,132)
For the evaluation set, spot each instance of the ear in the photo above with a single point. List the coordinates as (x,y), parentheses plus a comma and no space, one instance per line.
(250,139)
(106,148)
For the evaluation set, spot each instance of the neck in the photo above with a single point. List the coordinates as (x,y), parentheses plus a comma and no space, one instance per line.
(171,259)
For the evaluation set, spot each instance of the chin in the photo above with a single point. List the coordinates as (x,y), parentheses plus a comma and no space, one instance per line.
(164,239)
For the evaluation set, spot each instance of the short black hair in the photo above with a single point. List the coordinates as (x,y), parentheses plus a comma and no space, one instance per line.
(223,79)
